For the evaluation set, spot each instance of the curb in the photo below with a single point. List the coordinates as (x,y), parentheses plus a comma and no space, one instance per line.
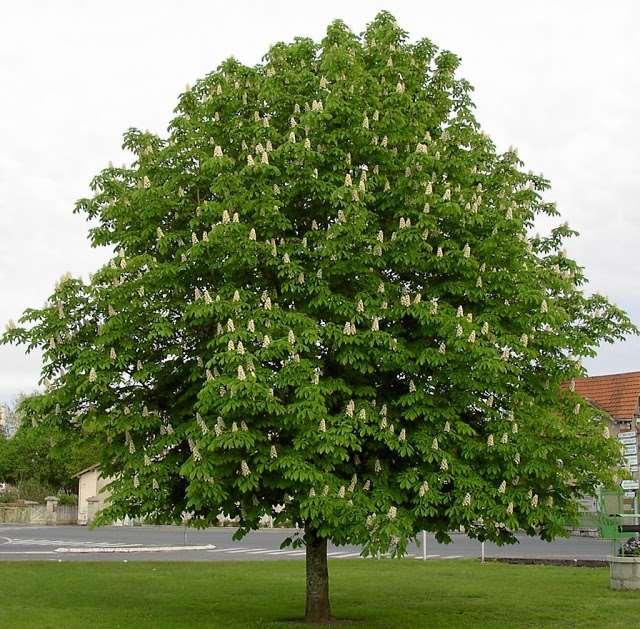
(575,563)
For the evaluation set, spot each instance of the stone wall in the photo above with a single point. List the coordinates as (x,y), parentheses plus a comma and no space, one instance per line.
(33,513)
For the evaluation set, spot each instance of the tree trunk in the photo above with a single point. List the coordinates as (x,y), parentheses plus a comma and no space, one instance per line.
(317,608)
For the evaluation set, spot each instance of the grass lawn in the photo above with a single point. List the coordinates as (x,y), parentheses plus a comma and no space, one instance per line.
(376,594)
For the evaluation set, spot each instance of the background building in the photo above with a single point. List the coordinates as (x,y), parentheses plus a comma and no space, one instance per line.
(92,493)
(619,395)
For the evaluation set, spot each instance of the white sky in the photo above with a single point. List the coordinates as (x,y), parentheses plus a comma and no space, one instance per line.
(558,80)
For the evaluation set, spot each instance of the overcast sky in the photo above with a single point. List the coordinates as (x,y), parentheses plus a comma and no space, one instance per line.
(557,80)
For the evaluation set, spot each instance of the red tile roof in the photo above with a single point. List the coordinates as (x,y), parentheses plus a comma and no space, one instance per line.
(618,394)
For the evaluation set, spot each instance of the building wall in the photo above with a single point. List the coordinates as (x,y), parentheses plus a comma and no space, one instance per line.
(91,484)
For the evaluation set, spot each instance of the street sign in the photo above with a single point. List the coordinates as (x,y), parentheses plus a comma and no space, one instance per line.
(627,434)
(629,484)
(630,448)
(631,460)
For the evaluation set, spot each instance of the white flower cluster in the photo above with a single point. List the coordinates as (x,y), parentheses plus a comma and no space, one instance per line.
(195,452)
(349,329)
(202,424)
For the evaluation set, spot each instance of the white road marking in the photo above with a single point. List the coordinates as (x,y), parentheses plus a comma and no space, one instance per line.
(343,555)
(27,552)
(139,549)
(224,550)
(296,553)
(245,550)
(284,552)
(452,557)
(16,541)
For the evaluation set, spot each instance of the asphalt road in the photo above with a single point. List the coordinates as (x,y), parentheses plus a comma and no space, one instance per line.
(169,543)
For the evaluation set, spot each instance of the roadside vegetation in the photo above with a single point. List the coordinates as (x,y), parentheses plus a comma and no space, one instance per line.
(38,461)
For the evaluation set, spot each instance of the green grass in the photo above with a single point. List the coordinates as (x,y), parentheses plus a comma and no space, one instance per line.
(375,594)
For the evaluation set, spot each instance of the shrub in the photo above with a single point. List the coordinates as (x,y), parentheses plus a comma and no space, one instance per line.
(8,496)
(32,489)
(67,499)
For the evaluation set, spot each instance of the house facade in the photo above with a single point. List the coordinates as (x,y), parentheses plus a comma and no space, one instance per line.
(92,493)
(619,396)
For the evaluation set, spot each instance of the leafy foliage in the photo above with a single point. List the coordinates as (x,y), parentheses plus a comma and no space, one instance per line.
(42,458)
(324,295)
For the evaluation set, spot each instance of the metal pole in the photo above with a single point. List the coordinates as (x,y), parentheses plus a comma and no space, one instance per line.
(424,545)
(482,552)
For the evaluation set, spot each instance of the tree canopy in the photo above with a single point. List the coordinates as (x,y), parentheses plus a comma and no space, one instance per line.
(325,293)
(43,456)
